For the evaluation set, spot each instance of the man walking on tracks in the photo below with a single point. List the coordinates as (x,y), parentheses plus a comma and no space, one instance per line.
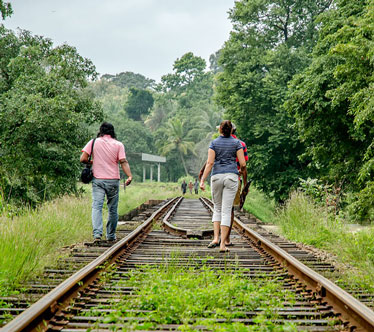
(107,153)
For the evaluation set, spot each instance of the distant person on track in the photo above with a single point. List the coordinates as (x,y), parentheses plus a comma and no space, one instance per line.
(184,187)
(107,153)
(190,186)
(196,187)
(222,155)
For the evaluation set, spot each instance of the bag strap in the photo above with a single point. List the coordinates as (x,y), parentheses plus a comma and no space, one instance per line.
(93,143)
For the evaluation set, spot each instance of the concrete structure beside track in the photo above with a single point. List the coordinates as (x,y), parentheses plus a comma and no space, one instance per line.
(152,159)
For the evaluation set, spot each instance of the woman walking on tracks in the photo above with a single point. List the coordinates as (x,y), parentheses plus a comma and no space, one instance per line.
(222,155)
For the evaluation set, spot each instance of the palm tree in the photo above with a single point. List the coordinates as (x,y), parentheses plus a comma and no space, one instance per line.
(206,123)
(177,140)
(161,109)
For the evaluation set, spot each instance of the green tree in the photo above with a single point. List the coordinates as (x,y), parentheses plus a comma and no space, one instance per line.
(206,122)
(203,131)
(186,94)
(136,137)
(5,9)
(112,97)
(139,103)
(45,110)
(129,80)
(269,44)
(213,63)
(271,22)
(162,109)
(187,69)
(177,140)
(332,100)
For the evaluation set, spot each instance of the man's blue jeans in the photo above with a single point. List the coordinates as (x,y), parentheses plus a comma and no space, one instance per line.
(100,188)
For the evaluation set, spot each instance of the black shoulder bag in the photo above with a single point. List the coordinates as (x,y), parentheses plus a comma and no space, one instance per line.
(87,174)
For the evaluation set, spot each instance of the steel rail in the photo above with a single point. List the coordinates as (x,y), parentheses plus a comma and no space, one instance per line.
(51,302)
(183,232)
(357,313)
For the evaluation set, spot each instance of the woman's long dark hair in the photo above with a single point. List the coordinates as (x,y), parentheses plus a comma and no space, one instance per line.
(106,128)
(225,128)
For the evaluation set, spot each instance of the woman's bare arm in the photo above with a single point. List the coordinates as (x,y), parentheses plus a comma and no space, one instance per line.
(208,167)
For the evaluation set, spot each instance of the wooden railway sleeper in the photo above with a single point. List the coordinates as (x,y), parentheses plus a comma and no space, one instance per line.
(33,315)
(352,310)
(305,292)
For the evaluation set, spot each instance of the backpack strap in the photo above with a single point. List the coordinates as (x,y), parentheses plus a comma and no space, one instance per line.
(93,143)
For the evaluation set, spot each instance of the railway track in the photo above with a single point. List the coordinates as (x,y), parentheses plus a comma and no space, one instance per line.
(177,232)
(307,257)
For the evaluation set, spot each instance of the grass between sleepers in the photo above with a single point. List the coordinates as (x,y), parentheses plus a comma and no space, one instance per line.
(35,239)
(196,296)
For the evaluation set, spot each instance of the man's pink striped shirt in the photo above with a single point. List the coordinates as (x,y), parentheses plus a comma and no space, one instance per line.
(107,153)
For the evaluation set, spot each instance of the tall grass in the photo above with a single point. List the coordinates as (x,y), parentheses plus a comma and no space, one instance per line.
(357,249)
(261,206)
(35,239)
(303,221)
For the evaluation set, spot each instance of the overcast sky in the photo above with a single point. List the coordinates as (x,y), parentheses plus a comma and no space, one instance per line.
(143,36)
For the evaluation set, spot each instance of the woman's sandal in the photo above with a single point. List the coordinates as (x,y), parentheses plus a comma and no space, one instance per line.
(229,244)
(225,250)
(213,245)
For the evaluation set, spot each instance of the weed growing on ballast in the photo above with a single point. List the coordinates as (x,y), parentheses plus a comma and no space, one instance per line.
(196,296)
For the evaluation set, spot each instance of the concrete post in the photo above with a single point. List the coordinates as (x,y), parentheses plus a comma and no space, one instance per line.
(159,172)
(151,172)
(143,173)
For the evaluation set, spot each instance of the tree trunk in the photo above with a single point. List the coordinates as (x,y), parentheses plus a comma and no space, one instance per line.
(183,163)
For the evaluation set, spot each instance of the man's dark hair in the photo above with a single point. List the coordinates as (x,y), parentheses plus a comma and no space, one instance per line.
(233,131)
(106,128)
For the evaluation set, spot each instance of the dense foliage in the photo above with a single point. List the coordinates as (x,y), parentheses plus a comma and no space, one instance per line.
(44,113)
(130,80)
(176,118)
(295,76)
(193,115)
(332,101)
(269,44)
(297,79)
(5,9)
(139,103)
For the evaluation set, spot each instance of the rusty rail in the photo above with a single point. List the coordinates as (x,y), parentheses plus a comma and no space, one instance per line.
(350,308)
(185,233)
(58,298)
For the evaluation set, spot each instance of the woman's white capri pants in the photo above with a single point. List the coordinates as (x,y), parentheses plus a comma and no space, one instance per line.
(224,187)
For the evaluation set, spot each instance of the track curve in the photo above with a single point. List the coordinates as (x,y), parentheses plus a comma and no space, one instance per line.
(184,226)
